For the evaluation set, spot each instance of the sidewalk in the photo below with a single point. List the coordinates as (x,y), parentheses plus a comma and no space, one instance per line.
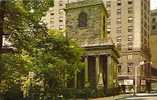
(113,97)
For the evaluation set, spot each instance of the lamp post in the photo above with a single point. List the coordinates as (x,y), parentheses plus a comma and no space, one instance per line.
(136,76)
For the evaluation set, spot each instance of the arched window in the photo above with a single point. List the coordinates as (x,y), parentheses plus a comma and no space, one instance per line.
(82,19)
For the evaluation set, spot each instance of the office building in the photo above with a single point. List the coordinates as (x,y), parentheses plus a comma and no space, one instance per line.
(129,26)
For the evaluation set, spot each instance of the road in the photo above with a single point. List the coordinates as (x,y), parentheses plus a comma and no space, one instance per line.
(144,96)
(139,96)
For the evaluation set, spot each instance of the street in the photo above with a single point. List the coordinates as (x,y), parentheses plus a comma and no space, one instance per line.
(142,96)
(139,96)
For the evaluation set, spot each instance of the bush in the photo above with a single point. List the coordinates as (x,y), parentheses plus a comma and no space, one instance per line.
(82,93)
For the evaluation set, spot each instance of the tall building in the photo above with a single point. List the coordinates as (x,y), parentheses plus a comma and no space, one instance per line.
(153,41)
(55,16)
(153,37)
(154,22)
(129,27)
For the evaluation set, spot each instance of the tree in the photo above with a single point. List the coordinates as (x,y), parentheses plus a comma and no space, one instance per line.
(48,54)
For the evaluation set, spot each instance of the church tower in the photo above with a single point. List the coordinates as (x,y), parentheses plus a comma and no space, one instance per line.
(86,21)
(85,24)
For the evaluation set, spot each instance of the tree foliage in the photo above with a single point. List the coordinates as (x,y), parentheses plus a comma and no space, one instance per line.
(48,54)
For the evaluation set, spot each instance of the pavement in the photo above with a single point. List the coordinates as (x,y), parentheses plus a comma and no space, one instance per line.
(139,96)
(117,97)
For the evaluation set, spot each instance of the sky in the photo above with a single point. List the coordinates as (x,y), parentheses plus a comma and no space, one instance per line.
(153,4)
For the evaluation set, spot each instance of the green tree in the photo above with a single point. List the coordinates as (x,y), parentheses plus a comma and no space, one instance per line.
(48,54)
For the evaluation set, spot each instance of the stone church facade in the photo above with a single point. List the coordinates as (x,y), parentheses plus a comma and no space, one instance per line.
(85,24)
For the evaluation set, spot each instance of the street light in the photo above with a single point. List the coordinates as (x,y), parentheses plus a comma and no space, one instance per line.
(136,76)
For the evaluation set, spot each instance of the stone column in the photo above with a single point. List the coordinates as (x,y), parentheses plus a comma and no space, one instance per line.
(86,72)
(97,69)
(109,76)
(99,76)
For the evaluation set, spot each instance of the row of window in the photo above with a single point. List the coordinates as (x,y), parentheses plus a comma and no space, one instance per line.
(130,67)
(119,11)
(130,45)
(154,27)
(119,29)
(119,3)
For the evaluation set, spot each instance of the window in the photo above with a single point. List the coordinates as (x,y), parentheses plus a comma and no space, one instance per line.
(130,19)
(52,13)
(108,21)
(52,21)
(61,11)
(60,4)
(130,45)
(153,20)
(118,2)
(118,11)
(130,38)
(130,57)
(61,27)
(60,20)
(108,3)
(109,12)
(108,30)
(119,29)
(130,28)
(82,19)
(130,67)
(119,69)
(130,10)
(119,46)
(118,39)
(130,2)
(118,20)
(153,27)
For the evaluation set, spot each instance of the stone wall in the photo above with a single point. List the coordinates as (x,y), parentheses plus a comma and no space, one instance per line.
(94,30)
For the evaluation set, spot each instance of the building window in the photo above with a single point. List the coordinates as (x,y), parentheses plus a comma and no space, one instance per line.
(60,4)
(61,11)
(109,13)
(108,30)
(119,42)
(153,27)
(130,45)
(130,57)
(82,19)
(130,2)
(52,14)
(119,29)
(52,22)
(118,39)
(118,2)
(119,46)
(130,19)
(130,10)
(130,28)
(118,11)
(108,21)
(130,67)
(61,27)
(108,3)
(118,20)
(60,20)
(119,69)
(130,38)
(153,20)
